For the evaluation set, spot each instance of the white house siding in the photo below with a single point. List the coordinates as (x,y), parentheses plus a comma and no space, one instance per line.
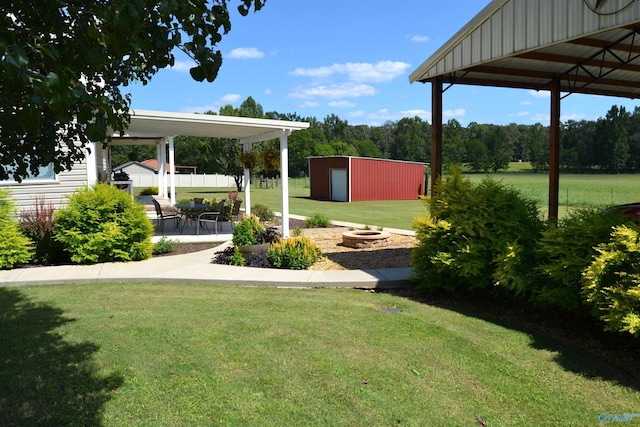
(66,183)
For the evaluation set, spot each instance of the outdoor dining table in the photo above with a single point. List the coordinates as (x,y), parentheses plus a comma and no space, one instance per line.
(194,212)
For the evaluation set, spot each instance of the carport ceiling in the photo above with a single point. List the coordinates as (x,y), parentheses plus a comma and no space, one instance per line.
(588,46)
(149,125)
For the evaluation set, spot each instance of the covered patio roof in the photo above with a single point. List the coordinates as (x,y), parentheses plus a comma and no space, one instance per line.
(160,127)
(563,46)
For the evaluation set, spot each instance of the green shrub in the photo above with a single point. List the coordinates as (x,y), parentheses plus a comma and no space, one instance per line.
(295,253)
(566,250)
(149,191)
(37,224)
(163,246)
(318,220)
(262,211)
(476,236)
(611,284)
(237,258)
(15,247)
(101,223)
(248,231)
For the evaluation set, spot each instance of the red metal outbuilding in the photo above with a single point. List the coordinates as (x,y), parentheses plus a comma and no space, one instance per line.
(357,179)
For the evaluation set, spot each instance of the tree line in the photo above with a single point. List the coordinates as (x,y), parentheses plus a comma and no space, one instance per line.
(610,144)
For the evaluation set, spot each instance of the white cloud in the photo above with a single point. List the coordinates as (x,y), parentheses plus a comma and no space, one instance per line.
(458,112)
(383,71)
(230,98)
(246,53)
(341,104)
(268,91)
(347,90)
(309,104)
(183,66)
(356,114)
(526,103)
(419,39)
(519,114)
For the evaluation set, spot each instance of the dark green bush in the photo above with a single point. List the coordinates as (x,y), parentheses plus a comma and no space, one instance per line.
(294,253)
(566,250)
(102,223)
(149,191)
(476,236)
(15,247)
(262,211)
(318,220)
(163,246)
(611,283)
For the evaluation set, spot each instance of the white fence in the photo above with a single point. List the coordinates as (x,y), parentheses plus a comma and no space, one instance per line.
(143,180)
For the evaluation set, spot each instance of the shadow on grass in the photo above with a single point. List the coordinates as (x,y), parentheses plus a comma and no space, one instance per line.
(579,344)
(45,380)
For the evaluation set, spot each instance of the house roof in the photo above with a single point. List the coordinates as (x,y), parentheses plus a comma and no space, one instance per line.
(149,126)
(589,46)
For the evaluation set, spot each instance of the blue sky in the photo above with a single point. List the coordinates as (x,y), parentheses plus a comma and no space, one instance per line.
(351,58)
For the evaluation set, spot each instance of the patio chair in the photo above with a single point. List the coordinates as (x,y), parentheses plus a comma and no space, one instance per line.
(234,213)
(163,216)
(206,217)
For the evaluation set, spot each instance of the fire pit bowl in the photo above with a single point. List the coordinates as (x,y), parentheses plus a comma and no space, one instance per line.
(360,239)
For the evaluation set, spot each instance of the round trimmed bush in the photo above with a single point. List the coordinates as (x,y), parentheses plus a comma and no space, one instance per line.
(102,223)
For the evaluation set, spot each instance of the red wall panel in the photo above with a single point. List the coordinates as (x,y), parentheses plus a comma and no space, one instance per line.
(374,179)
(368,179)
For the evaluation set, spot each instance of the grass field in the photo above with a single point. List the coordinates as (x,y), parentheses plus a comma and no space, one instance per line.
(194,355)
(596,190)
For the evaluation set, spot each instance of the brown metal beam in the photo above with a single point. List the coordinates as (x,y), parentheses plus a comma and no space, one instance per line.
(436,132)
(554,151)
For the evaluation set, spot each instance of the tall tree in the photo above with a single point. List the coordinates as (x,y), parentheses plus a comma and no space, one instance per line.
(64,63)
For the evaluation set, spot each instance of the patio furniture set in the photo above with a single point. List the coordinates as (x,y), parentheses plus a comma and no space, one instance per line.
(197,212)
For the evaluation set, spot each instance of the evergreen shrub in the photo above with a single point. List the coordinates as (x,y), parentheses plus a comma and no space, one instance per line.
(149,191)
(15,247)
(611,283)
(476,236)
(102,223)
(163,246)
(566,249)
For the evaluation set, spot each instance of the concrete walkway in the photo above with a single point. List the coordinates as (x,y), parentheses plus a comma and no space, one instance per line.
(197,268)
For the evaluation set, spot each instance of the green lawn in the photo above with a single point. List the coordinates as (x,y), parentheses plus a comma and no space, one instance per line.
(163,354)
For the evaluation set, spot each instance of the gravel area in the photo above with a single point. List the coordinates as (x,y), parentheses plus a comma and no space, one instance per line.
(336,255)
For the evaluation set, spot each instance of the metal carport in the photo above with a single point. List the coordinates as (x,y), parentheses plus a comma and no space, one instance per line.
(562,46)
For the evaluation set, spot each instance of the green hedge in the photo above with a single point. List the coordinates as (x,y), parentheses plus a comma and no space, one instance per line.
(15,247)
(102,223)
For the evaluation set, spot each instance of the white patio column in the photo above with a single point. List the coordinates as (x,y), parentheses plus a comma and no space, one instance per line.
(246,147)
(284,174)
(162,189)
(172,171)
(92,163)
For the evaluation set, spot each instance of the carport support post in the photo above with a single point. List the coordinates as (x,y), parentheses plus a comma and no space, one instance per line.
(554,151)
(284,174)
(436,132)
(246,147)
(172,172)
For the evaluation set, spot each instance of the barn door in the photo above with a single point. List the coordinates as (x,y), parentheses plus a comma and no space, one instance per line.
(339,185)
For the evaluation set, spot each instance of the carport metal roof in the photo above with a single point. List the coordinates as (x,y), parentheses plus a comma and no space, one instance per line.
(159,127)
(570,46)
